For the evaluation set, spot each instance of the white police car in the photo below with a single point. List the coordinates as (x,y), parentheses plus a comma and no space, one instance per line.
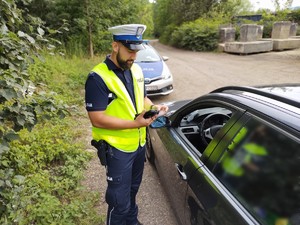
(158,78)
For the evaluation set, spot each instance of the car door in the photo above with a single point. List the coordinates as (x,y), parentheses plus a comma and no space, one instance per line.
(207,200)
(177,159)
(167,149)
(255,180)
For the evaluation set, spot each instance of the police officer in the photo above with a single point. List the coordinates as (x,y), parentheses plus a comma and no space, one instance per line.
(115,95)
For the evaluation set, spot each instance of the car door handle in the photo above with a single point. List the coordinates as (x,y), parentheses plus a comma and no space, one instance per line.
(180,171)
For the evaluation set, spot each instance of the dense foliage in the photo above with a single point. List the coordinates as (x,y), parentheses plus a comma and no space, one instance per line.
(44,166)
(294,16)
(88,20)
(41,159)
(200,35)
(199,19)
(48,164)
(20,36)
(175,12)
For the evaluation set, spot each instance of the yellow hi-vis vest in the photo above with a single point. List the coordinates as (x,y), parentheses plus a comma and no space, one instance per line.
(126,140)
(233,165)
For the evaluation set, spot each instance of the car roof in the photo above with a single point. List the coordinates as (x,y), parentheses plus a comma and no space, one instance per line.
(280,102)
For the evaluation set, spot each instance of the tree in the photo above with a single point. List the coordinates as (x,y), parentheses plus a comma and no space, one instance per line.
(171,14)
(177,12)
(233,7)
(102,16)
(88,20)
(285,4)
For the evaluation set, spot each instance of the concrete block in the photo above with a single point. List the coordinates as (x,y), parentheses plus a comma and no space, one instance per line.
(260,29)
(281,30)
(227,35)
(293,29)
(244,48)
(248,32)
(221,47)
(286,44)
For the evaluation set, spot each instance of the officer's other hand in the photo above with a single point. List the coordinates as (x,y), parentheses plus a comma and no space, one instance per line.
(163,109)
(142,122)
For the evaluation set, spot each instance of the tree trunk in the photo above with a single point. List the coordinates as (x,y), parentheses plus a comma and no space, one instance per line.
(89,27)
(91,46)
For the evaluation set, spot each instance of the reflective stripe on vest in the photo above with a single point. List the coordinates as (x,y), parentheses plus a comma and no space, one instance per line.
(122,107)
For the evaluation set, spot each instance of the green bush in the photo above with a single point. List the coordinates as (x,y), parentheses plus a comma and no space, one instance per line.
(40,172)
(294,16)
(165,36)
(200,35)
(44,186)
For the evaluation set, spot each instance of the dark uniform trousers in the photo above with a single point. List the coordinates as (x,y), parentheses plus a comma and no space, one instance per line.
(124,176)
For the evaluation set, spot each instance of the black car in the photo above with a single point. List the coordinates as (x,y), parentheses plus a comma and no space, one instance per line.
(231,156)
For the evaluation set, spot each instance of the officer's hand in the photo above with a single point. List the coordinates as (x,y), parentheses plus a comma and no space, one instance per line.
(142,122)
(163,109)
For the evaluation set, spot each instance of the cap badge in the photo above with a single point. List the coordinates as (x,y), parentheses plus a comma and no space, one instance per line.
(139,31)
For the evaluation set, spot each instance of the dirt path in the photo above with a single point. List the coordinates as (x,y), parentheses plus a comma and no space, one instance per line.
(196,74)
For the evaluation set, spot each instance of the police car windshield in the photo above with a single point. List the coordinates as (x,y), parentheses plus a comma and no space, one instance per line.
(147,55)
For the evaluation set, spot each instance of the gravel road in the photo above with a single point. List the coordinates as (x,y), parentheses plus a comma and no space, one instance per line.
(195,74)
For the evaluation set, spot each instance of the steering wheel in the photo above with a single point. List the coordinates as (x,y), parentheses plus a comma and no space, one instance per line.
(210,126)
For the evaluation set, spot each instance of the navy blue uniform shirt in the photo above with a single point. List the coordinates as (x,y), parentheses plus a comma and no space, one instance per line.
(98,96)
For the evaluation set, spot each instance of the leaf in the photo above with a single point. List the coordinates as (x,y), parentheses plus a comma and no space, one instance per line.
(50,47)
(40,31)
(20,57)
(8,183)
(3,148)
(38,109)
(21,34)
(18,179)
(4,29)
(8,93)
(30,39)
(51,31)
(11,136)
(5,163)
(20,120)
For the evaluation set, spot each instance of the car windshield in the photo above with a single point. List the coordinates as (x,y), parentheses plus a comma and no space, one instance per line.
(147,55)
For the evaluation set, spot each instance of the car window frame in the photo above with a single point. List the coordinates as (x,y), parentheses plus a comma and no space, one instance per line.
(200,103)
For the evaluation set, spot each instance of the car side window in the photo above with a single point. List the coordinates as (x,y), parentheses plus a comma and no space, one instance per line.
(201,125)
(261,168)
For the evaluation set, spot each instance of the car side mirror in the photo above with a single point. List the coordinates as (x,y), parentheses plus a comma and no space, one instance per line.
(160,122)
(165,58)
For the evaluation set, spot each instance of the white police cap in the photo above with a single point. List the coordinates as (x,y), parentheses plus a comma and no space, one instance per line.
(130,35)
